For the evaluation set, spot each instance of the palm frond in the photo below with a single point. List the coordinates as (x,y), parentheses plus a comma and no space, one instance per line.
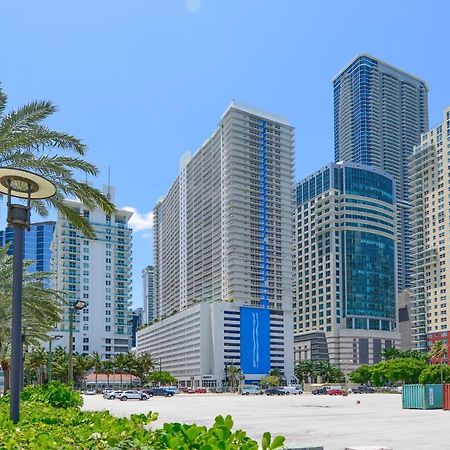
(25,117)
(74,218)
(3,101)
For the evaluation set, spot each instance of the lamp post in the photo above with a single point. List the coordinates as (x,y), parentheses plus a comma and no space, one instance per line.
(77,306)
(29,186)
(49,366)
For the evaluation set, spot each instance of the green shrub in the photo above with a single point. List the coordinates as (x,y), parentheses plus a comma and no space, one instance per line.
(45,427)
(54,394)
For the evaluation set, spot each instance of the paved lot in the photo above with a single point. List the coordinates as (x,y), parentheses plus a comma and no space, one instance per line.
(306,420)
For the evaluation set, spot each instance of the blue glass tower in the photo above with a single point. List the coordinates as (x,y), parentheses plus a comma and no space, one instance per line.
(37,244)
(379,114)
(345,293)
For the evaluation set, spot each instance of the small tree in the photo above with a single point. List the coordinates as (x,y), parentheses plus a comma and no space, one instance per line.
(435,374)
(161,378)
(361,375)
(142,366)
(269,381)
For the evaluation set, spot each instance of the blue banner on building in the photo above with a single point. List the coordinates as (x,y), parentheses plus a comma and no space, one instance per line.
(255,340)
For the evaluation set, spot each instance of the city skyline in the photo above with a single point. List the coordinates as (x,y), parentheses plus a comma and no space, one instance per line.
(125,67)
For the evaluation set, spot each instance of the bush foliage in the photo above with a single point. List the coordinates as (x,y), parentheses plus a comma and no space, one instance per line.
(51,419)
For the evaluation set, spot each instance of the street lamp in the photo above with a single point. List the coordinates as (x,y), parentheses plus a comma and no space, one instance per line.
(29,186)
(77,306)
(49,367)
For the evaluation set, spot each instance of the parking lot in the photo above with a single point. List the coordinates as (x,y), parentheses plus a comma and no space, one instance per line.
(305,420)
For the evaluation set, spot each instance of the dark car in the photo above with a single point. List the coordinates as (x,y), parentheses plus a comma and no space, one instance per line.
(363,390)
(158,392)
(320,391)
(274,391)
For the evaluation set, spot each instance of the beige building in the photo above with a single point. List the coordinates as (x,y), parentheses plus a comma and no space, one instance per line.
(430,199)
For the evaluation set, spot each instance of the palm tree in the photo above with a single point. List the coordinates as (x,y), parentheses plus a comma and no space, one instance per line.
(439,351)
(108,368)
(143,366)
(81,365)
(97,365)
(130,365)
(120,362)
(37,361)
(234,375)
(25,143)
(41,308)
(304,370)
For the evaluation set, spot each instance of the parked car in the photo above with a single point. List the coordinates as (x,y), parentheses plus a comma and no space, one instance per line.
(200,391)
(321,391)
(186,390)
(90,392)
(251,390)
(111,395)
(174,389)
(363,390)
(133,395)
(158,392)
(294,390)
(336,391)
(274,391)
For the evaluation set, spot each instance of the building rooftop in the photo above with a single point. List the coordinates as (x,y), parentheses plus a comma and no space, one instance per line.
(379,61)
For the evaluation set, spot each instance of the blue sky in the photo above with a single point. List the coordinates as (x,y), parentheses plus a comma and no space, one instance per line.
(142,81)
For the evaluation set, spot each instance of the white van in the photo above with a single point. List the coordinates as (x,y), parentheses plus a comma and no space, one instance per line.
(295,390)
(251,389)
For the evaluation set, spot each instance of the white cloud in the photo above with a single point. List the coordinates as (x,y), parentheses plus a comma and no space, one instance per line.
(140,221)
(146,236)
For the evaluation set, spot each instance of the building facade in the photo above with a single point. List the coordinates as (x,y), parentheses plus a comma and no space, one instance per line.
(222,254)
(99,272)
(380,112)
(430,222)
(137,317)
(345,273)
(147,281)
(37,245)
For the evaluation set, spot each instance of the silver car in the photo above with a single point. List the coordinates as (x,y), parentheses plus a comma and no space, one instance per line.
(111,395)
(132,395)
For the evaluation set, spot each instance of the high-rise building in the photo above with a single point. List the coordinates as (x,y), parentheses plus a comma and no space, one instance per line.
(379,113)
(222,255)
(430,224)
(99,272)
(38,241)
(345,292)
(137,316)
(147,280)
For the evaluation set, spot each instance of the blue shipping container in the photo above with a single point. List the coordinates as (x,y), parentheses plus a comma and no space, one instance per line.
(422,396)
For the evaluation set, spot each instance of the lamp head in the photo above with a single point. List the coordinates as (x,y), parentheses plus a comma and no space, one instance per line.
(23,184)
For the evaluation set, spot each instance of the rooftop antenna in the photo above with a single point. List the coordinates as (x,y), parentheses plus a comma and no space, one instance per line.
(109,183)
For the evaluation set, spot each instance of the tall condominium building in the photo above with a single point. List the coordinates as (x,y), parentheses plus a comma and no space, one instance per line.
(222,255)
(147,280)
(38,240)
(345,292)
(430,223)
(97,271)
(379,114)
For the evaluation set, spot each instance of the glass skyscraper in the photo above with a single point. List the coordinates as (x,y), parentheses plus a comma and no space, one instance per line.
(37,244)
(379,114)
(345,271)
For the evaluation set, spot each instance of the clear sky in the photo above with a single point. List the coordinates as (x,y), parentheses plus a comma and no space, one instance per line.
(142,81)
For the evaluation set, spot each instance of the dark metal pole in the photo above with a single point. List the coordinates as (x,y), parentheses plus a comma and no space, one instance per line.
(49,366)
(70,374)
(16,326)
